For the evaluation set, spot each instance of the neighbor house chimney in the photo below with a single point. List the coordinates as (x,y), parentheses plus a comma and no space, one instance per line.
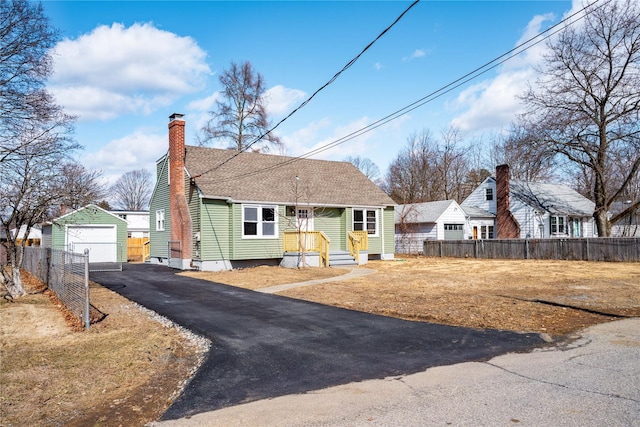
(506,225)
(180,218)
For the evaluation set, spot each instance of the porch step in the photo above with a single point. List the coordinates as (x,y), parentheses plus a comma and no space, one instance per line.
(341,258)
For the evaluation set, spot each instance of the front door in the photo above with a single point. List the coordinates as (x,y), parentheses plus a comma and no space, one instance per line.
(305,219)
(305,224)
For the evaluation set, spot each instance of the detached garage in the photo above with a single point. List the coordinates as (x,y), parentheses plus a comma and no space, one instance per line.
(90,227)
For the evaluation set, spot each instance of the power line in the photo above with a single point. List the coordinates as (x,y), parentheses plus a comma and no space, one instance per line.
(305,102)
(522,47)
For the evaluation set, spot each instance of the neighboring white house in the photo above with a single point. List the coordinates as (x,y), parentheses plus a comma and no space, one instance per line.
(417,222)
(529,209)
(479,224)
(137,222)
(628,226)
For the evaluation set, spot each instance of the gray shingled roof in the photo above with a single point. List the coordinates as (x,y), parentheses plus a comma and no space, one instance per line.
(256,177)
(421,212)
(554,198)
(475,212)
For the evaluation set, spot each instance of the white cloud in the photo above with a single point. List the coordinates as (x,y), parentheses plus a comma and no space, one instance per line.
(204,104)
(116,70)
(418,53)
(377,66)
(139,150)
(493,104)
(315,137)
(281,100)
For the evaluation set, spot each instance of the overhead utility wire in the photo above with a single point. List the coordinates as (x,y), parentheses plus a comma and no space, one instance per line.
(533,41)
(347,66)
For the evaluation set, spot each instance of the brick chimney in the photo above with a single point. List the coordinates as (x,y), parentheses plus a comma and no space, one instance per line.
(179,211)
(506,225)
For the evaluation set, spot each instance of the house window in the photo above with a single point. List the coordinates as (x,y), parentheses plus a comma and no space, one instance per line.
(488,194)
(486,232)
(365,220)
(259,221)
(454,227)
(160,220)
(558,224)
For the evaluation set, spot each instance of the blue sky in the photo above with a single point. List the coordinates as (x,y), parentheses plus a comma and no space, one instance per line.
(123,67)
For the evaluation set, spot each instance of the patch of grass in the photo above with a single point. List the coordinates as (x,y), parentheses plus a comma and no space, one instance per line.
(125,370)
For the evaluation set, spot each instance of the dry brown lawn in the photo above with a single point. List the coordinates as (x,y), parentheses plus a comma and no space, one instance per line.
(128,368)
(553,297)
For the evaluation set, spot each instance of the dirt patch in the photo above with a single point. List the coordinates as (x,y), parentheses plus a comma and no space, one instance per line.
(265,276)
(553,297)
(125,370)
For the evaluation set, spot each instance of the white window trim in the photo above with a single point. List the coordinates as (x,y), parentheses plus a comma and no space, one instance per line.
(486,194)
(565,225)
(364,216)
(160,220)
(260,222)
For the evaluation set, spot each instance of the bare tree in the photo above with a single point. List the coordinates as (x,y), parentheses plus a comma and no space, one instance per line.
(410,175)
(522,150)
(452,165)
(35,139)
(80,186)
(366,166)
(429,169)
(132,190)
(240,117)
(586,104)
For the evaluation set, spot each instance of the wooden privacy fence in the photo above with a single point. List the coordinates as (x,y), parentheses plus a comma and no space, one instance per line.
(138,249)
(593,249)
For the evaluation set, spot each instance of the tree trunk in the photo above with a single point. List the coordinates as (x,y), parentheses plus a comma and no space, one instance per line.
(602,223)
(13,282)
(14,286)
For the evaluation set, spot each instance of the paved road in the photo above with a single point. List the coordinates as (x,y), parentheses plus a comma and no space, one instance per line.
(590,382)
(265,346)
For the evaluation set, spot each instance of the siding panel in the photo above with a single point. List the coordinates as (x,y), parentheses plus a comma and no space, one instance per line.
(214,231)
(160,200)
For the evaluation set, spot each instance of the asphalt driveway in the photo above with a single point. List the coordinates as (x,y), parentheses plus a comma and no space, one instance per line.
(265,346)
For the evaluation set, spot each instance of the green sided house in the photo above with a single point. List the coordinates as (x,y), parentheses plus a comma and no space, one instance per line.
(90,227)
(214,209)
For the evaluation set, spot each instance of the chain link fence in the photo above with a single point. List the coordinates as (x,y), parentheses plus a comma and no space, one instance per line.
(65,273)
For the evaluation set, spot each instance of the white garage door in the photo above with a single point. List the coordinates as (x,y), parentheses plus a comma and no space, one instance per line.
(101,240)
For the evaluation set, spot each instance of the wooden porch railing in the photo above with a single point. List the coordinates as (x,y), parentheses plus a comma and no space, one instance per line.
(307,241)
(358,241)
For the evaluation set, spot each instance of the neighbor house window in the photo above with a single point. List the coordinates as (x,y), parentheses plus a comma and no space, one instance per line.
(488,194)
(558,225)
(365,220)
(160,220)
(486,232)
(259,221)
